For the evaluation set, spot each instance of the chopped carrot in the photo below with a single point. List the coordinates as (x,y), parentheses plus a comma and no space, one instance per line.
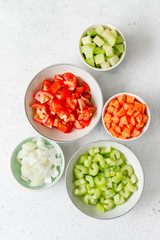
(110,109)
(108,125)
(130,126)
(132,120)
(116,104)
(115,119)
(122,137)
(143,107)
(127,106)
(139,118)
(113,132)
(124,120)
(118,129)
(145,118)
(137,107)
(126,132)
(121,112)
(112,101)
(113,124)
(130,99)
(136,114)
(107,117)
(115,112)
(139,125)
(122,99)
(135,133)
(130,112)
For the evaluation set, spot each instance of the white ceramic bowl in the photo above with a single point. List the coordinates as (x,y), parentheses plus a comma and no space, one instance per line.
(139,99)
(109,26)
(16,166)
(35,85)
(119,210)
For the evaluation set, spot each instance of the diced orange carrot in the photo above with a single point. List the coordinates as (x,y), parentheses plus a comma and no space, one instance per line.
(118,129)
(139,125)
(126,132)
(130,99)
(130,126)
(121,112)
(122,137)
(116,104)
(122,99)
(110,109)
(130,112)
(115,112)
(143,107)
(124,120)
(136,114)
(145,118)
(137,107)
(107,117)
(115,119)
(139,118)
(113,132)
(132,120)
(112,101)
(135,133)
(108,125)
(127,106)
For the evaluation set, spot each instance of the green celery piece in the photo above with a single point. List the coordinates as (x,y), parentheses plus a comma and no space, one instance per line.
(100,207)
(120,47)
(105,150)
(119,200)
(82,168)
(109,183)
(96,150)
(131,187)
(100,180)
(90,61)
(77,173)
(127,170)
(109,193)
(79,182)
(88,162)
(93,170)
(108,204)
(98,50)
(91,32)
(88,199)
(125,180)
(110,161)
(89,188)
(134,178)
(90,179)
(91,152)
(81,190)
(82,158)
(103,188)
(96,193)
(118,162)
(99,158)
(118,187)
(101,174)
(119,39)
(125,193)
(115,154)
(117,178)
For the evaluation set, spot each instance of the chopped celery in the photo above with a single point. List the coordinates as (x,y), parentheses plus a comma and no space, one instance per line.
(109,193)
(115,154)
(100,207)
(91,152)
(96,193)
(93,170)
(81,190)
(77,173)
(105,150)
(127,170)
(134,178)
(82,158)
(117,178)
(99,158)
(88,199)
(131,187)
(100,180)
(90,180)
(125,193)
(79,182)
(119,200)
(82,168)
(108,204)
(88,162)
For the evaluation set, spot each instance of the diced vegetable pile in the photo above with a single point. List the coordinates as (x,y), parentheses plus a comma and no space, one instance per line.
(125,117)
(39,162)
(63,103)
(102,47)
(103,178)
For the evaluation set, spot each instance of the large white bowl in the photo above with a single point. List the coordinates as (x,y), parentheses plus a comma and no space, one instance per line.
(147,111)
(119,210)
(36,84)
(111,27)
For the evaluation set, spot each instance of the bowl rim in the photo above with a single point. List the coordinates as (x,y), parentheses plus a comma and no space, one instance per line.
(62,64)
(56,180)
(138,98)
(67,167)
(122,57)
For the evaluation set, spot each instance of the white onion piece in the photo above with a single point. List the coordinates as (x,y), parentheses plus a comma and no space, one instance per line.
(39,162)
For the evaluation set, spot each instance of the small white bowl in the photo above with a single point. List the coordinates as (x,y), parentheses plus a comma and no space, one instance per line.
(82,75)
(111,27)
(147,111)
(119,210)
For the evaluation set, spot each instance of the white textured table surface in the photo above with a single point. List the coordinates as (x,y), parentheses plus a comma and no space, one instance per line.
(36,34)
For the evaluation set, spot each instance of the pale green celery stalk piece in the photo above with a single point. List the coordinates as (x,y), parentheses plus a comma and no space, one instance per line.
(96,193)
(115,154)
(118,162)
(90,180)
(93,170)
(96,150)
(117,178)
(77,173)
(88,199)
(103,188)
(109,183)
(81,190)
(125,180)
(109,204)
(119,200)
(100,180)
(131,187)
(134,178)
(109,193)
(100,207)
(110,161)
(127,170)
(82,168)
(91,152)
(105,150)
(82,158)
(79,182)
(88,162)
(125,193)
(89,188)
(101,174)
(99,158)
(86,40)
(118,187)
